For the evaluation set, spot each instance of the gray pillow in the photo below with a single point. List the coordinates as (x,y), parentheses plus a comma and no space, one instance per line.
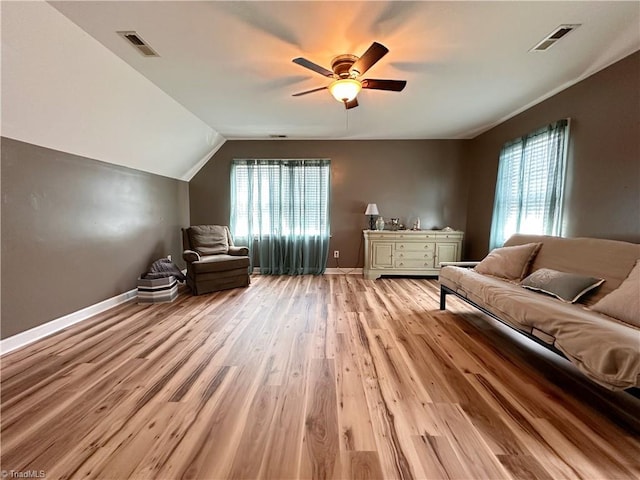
(568,287)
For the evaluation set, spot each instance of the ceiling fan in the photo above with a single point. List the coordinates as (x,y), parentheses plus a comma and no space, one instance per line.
(345,70)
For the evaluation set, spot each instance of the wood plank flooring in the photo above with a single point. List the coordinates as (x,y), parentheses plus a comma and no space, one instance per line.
(328,377)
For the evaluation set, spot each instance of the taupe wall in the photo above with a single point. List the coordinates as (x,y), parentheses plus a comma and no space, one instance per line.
(603,184)
(76,231)
(406,178)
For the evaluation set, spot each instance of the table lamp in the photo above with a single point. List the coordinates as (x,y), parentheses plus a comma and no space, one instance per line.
(372,211)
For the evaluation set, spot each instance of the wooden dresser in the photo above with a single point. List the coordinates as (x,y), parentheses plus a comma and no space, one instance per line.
(408,252)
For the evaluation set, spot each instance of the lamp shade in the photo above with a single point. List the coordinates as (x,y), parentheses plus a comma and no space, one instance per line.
(345,90)
(372,209)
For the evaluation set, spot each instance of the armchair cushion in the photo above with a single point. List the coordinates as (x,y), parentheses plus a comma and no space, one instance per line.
(219,263)
(209,239)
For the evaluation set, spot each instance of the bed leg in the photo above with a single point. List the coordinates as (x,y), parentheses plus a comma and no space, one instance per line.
(443,298)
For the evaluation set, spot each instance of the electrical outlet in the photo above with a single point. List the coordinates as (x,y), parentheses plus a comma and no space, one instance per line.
(336,254)
(169,257)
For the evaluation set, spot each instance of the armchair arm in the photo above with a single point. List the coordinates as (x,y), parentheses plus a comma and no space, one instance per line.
(238,251)
(190,256)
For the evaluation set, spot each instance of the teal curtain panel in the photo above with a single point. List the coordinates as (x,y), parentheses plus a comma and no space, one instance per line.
(280,209)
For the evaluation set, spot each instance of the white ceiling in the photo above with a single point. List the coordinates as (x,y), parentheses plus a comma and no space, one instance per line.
(467,64)
(225,71)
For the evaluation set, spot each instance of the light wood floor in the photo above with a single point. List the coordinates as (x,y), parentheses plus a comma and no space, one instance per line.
(305,377)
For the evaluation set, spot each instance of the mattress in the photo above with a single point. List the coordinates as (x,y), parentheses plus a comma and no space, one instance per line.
(604,349)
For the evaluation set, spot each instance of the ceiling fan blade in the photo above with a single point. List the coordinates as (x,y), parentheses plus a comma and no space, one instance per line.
(374,53)
(392,85)
(303,62)
(299,94)
(352,104)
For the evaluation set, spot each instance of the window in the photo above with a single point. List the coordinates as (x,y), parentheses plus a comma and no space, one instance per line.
(529,189)
(282,208)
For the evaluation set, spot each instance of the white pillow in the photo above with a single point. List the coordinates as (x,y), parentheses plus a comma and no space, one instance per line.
(511,263)
(624,302)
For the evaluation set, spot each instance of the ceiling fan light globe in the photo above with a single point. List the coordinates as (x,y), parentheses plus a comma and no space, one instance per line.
(345,90)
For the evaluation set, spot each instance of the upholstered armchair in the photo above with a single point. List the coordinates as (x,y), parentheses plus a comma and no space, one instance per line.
(213,261)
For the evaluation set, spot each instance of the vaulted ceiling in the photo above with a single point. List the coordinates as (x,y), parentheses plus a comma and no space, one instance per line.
(224,69)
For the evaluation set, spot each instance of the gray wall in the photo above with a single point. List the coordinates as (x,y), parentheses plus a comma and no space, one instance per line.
(406,178)
(76,231)
(603,176)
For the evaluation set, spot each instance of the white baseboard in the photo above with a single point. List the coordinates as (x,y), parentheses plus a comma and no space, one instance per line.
(24,338)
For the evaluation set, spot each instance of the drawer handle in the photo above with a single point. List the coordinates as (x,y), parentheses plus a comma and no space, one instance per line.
(401,246)
(401,264)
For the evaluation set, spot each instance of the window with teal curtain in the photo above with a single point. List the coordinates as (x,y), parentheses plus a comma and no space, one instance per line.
(280,209)
(530,184)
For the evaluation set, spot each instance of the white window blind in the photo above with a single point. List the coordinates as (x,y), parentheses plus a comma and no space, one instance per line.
(530,184)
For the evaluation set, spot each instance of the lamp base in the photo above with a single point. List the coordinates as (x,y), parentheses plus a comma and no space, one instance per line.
(372,223)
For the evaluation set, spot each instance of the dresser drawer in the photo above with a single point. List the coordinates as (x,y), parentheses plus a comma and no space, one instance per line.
(414,247)
(452,236)
(381,236)
(416,236)
(414,255)
(409,264)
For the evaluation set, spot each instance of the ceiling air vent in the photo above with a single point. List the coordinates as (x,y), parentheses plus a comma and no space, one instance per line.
(553,37)
(134,39)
